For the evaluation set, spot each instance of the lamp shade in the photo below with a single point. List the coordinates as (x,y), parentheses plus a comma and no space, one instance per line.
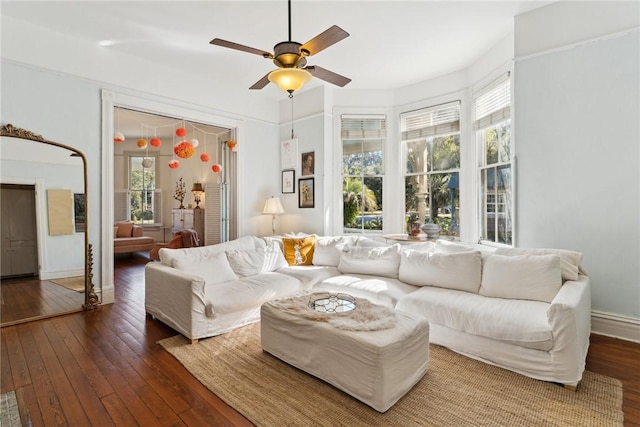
(197,188)
(272,206)
(289,79)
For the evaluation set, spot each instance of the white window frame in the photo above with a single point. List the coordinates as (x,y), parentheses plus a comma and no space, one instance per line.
(492,118)
(157,192)
(427,131)
(340,223)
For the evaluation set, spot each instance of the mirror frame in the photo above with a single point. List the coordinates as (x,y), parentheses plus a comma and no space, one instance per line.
(91,300)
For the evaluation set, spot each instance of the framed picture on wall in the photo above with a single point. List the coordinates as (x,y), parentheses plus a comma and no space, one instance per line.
(308,161)
(289,154)
(306,193)
(288,181)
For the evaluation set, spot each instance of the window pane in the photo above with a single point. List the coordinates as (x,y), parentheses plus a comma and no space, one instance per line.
(497,221)
(444,153)
(497,143)
(417,156)
(142,183)
(362,202)
(363,140)
(433,198)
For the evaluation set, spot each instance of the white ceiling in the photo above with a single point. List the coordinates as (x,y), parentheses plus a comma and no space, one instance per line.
(392,44)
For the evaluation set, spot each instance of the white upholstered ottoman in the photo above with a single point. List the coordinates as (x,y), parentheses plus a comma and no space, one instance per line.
(376,367)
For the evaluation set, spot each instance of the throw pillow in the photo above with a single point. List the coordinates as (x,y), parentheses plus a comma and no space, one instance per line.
(299,251)
(569,260)
(461,271)
(378,261)
(273,257)
(124,229)
(528,277)
(213,269)
(327,250)
(246,263)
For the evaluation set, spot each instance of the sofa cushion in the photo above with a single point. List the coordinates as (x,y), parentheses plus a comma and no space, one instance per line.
(530,277)
(309,275)
(462,270)
(379,290)
(213,269)
(378,261)
(167,256)
(327,250)
(124,229)
(273,257)
(298,251)
(514,321)
(246,263)
(367,242)
(569,260)
(247,292)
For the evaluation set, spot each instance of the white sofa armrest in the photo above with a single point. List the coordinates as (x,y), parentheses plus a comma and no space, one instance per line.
(569,316)
(174,296)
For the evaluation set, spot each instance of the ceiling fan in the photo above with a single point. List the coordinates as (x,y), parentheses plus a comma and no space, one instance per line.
(291,59)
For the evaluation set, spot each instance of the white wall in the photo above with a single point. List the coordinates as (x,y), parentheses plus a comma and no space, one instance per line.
(577,142)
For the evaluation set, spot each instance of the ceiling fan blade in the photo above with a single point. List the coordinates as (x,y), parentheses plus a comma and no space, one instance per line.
(261,83)
(328,76)
(323,40)
(241,47)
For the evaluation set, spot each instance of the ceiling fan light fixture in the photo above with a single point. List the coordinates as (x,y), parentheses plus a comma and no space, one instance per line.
(289,79)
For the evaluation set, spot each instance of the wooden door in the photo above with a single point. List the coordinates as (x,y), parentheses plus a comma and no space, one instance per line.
(19,243)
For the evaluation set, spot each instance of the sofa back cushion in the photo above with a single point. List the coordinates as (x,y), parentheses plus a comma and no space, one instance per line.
(168,256)
(461,271)
(569,260)
(528,277)
(328,248)
(299,251)
(214,269)
(246,263)
(378,261)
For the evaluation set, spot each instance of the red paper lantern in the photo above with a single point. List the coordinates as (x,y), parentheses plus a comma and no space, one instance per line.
(142,143)
(155,142)
(174,164)
(204,157)
(216,168)
(184,150)
(232,145)
(181,132)
(118,137)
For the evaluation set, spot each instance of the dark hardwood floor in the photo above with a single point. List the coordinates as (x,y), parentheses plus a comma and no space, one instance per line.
(104,368)
(29,297)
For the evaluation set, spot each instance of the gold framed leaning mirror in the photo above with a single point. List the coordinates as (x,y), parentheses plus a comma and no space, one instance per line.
(47,259)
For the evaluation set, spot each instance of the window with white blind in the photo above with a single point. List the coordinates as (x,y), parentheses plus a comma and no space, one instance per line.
(492,125)
(431,149)
(363,138)
(144,203)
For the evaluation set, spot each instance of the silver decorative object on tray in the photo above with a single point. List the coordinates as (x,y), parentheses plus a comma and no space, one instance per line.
(326,302)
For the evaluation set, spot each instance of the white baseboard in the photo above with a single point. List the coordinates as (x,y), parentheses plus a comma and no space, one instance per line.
(106,294)
(48,275)
(614,325)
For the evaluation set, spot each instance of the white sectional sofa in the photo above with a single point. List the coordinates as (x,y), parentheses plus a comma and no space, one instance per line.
(526,310)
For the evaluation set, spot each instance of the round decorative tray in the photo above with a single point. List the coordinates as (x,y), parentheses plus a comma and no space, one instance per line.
(326,302)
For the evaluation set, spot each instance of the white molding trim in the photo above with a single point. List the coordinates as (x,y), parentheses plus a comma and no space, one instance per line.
(154,105)
(615,325)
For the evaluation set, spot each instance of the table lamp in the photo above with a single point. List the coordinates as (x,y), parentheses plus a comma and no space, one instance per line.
(273,207)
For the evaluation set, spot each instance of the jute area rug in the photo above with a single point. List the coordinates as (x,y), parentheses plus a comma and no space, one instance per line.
(75,283)
(456,391)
